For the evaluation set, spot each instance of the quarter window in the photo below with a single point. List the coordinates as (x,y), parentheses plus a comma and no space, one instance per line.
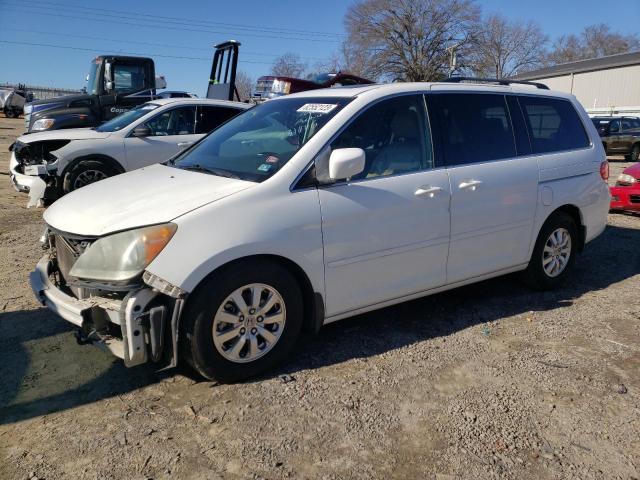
(178,121)
(553,125)
(474,127)
(394,135)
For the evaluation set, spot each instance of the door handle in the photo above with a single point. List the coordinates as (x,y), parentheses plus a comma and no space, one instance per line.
(469,185)
(184,144)
(427,191)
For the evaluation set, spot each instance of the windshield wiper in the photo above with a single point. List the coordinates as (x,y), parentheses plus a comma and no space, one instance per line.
(212,171)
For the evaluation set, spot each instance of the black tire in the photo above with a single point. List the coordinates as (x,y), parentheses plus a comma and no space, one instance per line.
(86,168)
(197,346)
(9,113)
(634,156)
(535,275)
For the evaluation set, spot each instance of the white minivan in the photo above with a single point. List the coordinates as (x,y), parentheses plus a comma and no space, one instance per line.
(318,206)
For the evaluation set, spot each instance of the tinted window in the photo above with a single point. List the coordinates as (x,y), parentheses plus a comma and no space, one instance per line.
(553,124)
(177,121)
(614,126)
(210,117)
(474,127)
(394,135)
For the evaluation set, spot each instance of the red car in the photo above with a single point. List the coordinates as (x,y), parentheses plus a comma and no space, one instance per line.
(276,86)
(626,194)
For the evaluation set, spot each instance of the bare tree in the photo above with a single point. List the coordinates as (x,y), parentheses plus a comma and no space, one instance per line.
(593,42)
(244,84)
(503,48)
(407,40)
(289,65)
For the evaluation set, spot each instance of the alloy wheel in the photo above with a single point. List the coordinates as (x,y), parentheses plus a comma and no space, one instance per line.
(249,322)
(88,176)
(556,252)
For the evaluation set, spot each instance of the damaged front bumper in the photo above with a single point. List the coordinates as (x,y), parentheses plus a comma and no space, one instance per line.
(30,182)
(140,327)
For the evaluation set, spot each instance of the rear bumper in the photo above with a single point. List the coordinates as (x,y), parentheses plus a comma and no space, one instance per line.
(625,198)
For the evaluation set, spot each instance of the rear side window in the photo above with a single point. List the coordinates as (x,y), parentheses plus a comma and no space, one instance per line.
(473,127)
(211,117)
(553,124)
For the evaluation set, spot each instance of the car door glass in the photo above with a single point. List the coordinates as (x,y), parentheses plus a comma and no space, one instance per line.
(177,121)
(212,116)
(554,124)
(475,127)
(614,126)
(128,77)
(394,135)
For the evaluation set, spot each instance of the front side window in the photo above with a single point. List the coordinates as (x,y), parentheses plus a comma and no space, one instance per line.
(177,121)
(128,77)
(474,127)
(211,116)
(394,135)
(124,119)
(254,145)
(554,124)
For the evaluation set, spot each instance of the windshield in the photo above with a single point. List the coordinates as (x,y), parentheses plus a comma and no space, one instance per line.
(92,78)
(124,119)
(257,143)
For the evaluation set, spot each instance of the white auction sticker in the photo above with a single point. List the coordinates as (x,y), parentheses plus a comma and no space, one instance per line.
(317,107)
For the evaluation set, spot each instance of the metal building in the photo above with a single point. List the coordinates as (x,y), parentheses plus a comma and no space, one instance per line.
(605,86)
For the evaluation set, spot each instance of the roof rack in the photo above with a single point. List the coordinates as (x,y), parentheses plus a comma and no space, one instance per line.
(499,81)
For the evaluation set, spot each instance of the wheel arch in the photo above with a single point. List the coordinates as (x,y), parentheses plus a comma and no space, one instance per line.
(112,162)
(313,302)
(574,212)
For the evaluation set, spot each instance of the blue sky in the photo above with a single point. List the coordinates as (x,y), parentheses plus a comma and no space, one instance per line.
(184,32)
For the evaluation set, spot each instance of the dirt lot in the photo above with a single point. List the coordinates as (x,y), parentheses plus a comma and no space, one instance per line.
(487,381)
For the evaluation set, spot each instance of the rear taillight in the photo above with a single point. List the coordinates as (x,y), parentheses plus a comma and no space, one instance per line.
(604,170)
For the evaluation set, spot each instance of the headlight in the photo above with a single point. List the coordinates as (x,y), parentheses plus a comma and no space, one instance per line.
(124,255)
(626,179)
(43,124)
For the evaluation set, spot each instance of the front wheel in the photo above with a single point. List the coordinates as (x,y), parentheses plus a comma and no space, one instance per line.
(634,156)
(242,321)
(86,172)
(554,253)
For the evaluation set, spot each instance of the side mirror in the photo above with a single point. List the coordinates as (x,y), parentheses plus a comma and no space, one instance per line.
(108,77)
(346,162)
(141,131)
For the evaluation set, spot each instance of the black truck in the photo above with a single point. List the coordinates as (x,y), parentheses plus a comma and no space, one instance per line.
(115,84)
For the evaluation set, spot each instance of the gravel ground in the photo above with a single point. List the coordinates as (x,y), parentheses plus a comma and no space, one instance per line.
(486,381)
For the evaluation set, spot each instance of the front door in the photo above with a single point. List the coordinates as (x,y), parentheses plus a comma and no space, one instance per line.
(386,232)
(170,131)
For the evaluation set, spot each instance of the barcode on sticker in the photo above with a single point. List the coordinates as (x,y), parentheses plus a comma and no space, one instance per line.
(317,107)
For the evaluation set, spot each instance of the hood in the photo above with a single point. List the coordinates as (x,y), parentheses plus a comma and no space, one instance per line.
(151,195)
(65,134)
(633,170)
(64,101)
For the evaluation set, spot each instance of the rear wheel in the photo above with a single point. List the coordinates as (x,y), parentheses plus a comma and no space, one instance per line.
(634,156)
(242,321)
(554,253)
(86,172)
